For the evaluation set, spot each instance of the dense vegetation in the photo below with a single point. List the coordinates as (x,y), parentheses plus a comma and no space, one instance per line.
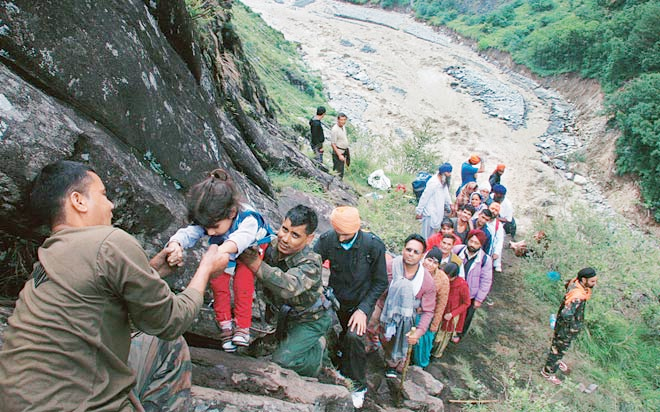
(616,42)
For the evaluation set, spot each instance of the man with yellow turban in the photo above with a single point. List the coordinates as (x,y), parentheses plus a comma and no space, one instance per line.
(358,276)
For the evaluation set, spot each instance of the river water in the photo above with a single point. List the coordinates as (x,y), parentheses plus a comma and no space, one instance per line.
(391,74)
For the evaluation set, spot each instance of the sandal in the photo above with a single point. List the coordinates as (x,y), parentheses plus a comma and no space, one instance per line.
(550,378)
(456,339)
(563,366)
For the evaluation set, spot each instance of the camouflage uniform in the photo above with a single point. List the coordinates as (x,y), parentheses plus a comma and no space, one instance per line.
(569,323)
(163,374)
(296,281)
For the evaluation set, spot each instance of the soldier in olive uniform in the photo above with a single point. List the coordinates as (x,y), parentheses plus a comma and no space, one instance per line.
(569,321)
(291,274)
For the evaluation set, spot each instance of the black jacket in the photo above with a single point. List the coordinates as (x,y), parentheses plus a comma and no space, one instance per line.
(316,130)
(358,275)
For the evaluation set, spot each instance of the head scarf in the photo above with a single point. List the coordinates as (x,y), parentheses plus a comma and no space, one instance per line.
(434,253)
(445,167)
(474,159)
(499,189)
(345,219)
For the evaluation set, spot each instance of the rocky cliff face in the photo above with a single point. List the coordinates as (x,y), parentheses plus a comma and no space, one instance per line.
(147,97)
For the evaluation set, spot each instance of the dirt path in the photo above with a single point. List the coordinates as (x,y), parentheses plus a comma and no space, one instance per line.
(390,77)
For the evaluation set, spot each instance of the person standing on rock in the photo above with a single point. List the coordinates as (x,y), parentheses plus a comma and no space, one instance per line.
(569,321)
(341,156)
(316,134)
(477,270)
(358,276)
(68,345)
(421,355)
(434,199)
(291,274)
(469,171)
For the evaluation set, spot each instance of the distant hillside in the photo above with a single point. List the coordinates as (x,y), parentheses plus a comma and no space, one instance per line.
(615,42)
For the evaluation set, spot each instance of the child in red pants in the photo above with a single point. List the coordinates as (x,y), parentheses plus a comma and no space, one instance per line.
(215,210)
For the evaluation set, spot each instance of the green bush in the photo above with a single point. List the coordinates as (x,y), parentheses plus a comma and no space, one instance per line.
(636,111)
(416,153)
(541,5)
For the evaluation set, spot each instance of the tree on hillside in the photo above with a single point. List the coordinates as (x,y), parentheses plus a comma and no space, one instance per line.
(636,111)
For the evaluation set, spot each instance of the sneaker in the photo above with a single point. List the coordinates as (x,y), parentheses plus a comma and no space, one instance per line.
(358,398)
(241,337)
(550,378)
(562,366)
(226,333)
(391,373)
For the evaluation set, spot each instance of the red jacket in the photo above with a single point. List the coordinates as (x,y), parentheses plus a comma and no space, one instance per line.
(436,238)
(457,303)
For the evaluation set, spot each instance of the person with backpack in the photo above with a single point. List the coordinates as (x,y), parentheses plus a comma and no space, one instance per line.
(358,276)
(431,207)
(316,134)
(477,270)
(570,319)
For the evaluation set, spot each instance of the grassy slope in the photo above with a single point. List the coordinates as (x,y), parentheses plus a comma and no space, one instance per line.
(294,89)
(620,345)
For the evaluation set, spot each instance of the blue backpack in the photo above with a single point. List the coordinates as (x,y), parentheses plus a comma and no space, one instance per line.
(419,184)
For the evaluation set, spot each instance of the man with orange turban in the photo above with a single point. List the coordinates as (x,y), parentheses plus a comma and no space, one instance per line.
(358,276)
(495,177)
(469,170)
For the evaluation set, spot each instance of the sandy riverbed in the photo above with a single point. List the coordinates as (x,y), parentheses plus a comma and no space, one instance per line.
(390,79)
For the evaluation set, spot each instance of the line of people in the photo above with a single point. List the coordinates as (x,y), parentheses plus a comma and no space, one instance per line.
(91,278)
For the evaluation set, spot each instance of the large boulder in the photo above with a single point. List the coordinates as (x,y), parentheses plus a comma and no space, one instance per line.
(231,373)
(149,98)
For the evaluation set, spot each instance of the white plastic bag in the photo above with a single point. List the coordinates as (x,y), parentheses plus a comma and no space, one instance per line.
(378,180)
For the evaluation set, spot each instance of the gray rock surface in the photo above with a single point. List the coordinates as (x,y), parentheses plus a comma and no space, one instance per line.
(258,377)
(138,92)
